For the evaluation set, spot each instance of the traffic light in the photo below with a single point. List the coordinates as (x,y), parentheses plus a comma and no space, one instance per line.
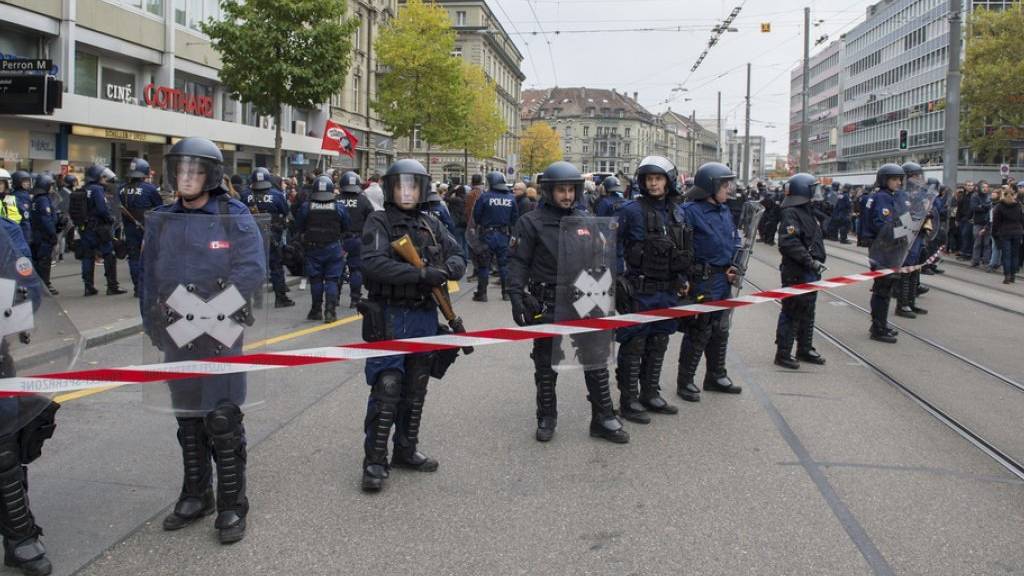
(904,140)
(766,27)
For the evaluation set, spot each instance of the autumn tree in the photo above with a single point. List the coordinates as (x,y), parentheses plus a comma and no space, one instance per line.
(539,146)
(993,104)
(482,125)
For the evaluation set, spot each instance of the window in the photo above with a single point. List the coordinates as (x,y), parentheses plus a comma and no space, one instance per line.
(586,150)
(86,74)
(357,35)
(198,11)
(460,18)
(586,131)
(586,168)
(568,149)
(179,12)
(627,133)
(457,52)
(356,83)
(417,143)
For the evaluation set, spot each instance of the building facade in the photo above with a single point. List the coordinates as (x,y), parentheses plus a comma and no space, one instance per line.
(733,152)
(481,40)
(695,144)
(822,110)
(138,75)
(351,105)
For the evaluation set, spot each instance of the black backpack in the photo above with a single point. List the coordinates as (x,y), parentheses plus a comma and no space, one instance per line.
(78,207)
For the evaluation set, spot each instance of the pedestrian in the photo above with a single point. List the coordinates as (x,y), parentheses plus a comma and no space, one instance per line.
(137,196)
(802,246)
(359,209)
(323,222)
(270,200)
(400,306)
(995,260)
(476,189)
(494,214)
(436,206)
(218,239)
(715,243)
(980,207)
(89,211)
(656,246)
(841,214)
(1008,229)
(533,289)
(457,208)
(374,193)
(523,202)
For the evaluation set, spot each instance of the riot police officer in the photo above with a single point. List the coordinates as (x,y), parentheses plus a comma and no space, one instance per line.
(802,246)
(94,221)
(44,232)
(270,200)
(222,245)
(400,305)
(613,198)
(715,243)
(323,222)
(841,213)
(359,208)
(21,197)
(656,245)
(881,216)
(909,282)
(494,213)
(533,284)
(137,197)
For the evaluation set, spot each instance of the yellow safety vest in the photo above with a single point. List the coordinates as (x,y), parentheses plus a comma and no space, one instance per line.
(9,209)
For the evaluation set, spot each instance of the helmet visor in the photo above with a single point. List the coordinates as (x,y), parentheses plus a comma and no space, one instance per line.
(407,189)
(190,176)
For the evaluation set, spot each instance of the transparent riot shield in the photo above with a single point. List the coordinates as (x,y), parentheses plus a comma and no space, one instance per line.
(37,335)
(585,289)
(911,208)
(203,285)
(750,217)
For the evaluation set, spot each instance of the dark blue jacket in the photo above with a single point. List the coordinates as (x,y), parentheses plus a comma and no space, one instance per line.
(715,238)
(138,198)
(495,208)
(45,219)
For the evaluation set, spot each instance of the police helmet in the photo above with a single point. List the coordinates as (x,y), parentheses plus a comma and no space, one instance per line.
(71,181)
(434,197)
(42,184)
(5,176)
(275,179)
(19,177)
(402,178)
(496,181)
(657,165)
(560,172)
(260,179)
(191,158)
(933,183)
(350,182)
(611,185)
(94,173)
(800,190)
(911,169)
(323,189)
(889,171)
(709,178)
(139,168)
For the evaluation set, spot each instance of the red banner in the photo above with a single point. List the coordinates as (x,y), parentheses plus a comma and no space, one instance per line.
(339,139)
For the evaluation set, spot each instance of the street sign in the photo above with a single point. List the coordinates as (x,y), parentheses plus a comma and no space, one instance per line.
(1004,170)
(25,65)
(29,94)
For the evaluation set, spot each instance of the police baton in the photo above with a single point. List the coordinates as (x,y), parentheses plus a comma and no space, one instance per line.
(404,248)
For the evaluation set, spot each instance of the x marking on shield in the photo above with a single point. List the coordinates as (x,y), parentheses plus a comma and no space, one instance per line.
(198,316)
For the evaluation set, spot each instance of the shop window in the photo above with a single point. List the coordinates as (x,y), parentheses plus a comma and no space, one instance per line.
(179,12)
(86,74)
(118,86)
(155,7)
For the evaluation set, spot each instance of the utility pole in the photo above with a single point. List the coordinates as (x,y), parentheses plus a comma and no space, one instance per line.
(693,143)
(718,130)
(805,130)
(746,136)
(951,144)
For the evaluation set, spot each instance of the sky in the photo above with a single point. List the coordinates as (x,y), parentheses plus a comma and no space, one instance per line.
(617,49)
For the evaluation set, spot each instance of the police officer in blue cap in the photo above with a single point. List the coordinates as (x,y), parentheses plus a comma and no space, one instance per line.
(881,217)
(205,244)
(359,208)
(270,200)
(21,182)
(322,221)
(137,197)
(715,242)
(802,245)
(94,221)
(495,213)
(656,245)
(44,230)
(400,306)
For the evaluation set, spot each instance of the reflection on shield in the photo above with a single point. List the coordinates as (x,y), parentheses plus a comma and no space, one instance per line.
(37,335)
(750,217)
(585,289)
(211,308)
(911,207)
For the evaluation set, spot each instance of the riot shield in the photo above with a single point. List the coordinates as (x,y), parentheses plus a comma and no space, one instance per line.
(37,335)
(750,217)
(585,289)
(893,242)
(203,285)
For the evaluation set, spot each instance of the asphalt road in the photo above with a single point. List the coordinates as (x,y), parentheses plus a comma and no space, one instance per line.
(826,470)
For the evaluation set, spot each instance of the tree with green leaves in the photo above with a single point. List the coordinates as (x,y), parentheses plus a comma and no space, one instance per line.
(282,52)
(483,125)
(421,83)
(539,146)
(994,107)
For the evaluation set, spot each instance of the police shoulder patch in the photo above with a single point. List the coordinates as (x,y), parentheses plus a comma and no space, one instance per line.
(791,230)
(886,211)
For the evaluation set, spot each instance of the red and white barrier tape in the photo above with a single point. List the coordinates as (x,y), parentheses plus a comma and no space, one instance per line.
(104,377)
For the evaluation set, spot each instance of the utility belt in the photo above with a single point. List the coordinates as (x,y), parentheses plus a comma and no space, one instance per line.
(705,271)
(351,235)
(318,245)
(506,230)
(403,295)
(643,285)
(543,291)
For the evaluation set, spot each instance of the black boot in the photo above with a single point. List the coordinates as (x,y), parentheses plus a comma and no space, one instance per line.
(785,335)
(331,312)
(784,359)
(227,436)
(91,290)
(603,422)
(283,301)
(110,271)
(650,375)
(380,416)
(547,403)
(22,548)
(504,290)
(904,289)
(196,500)
(689,360)
(316,310)
(481,292)
(916,290)
(805,351)
(716,378)
(410,415)
(627,379)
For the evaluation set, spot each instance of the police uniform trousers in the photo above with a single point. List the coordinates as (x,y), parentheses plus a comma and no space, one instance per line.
(133,242)
(352,245)
(94,241)
(642,349)
(705,334)
(496,242)
(42,259)
(796,320)
(276,262)
(324,263)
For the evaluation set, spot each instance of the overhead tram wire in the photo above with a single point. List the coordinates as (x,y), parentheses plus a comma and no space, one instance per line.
(551,56)
(529,54)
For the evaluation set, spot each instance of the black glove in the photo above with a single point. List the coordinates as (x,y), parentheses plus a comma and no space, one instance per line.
(431,276)
(526,310)
(818,267)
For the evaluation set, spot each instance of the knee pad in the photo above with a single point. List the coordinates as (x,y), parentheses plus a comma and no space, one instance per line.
(8,455)
(634,346)
(657,343)
(388,387)
(224,419)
